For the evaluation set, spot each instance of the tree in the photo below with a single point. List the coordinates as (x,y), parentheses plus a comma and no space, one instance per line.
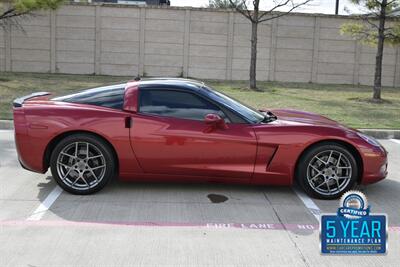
(224,3)
(256,16)
(10,10)
(373,30)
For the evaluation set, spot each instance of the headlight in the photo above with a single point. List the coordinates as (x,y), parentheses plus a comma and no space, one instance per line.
(369,139)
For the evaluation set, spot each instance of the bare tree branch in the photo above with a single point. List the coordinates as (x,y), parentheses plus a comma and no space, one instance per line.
(273,9)
(244,11)
(284,13)
(364,35)
(367,20)
(392,35)
(12,13)
(256,16)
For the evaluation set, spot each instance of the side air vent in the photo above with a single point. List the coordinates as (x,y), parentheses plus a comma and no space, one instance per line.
(272,157)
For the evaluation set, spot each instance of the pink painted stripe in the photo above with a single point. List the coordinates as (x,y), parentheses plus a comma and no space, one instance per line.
(260,226)
(254,226)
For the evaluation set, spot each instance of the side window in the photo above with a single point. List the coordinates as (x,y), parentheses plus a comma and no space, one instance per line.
(176,104)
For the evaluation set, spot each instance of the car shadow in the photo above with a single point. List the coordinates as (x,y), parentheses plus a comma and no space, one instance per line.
(179,204)
(212,205)
(383,197)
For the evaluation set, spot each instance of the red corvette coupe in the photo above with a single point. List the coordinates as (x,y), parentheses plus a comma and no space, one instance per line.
(182,130)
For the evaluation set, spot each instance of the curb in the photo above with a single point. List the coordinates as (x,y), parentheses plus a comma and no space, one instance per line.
(376,133)
(6,125)
(382,133)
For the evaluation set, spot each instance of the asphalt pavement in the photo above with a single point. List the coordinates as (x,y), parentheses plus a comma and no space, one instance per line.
(153,224)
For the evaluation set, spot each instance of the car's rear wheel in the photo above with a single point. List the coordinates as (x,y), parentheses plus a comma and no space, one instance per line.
(327,170)
(82,164)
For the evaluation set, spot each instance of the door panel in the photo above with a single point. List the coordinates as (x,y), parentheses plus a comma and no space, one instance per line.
(165,145)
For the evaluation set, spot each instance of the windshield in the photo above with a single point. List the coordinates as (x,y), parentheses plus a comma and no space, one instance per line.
(248,112)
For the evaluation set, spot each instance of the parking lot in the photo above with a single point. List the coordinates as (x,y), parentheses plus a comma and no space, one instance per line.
(174,224)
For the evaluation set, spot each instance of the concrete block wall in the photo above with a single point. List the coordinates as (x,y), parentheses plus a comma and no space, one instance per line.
(241,49)
(294,49)
(117,38)
(208,47)
(190,42)
(367,66)
(163,42)
(337,54)
(75,39)
(29,49)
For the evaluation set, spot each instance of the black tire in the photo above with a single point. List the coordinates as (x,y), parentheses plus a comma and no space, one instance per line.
(83,186)
(303,170)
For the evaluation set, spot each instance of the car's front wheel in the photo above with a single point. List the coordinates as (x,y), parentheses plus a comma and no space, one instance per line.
(327,170)
(82,164)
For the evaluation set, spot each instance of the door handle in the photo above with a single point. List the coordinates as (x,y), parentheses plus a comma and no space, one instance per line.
(128,122)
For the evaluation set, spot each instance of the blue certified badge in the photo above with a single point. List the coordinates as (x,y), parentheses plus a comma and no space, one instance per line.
(353,230)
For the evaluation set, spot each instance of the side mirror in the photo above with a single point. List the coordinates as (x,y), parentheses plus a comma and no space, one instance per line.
(214,121)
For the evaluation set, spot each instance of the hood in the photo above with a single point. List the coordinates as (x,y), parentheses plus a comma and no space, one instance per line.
(291,117)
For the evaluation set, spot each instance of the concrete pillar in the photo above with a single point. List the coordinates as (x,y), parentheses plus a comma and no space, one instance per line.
(97,43)
(357,57)
(186,41)
(3,50)
(272,55)
(7,42)
(142,24)
(7,46)
(229,45)
(315,55)
(53,27)
(396,81)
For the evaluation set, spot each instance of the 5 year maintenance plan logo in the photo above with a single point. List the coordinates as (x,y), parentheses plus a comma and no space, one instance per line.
(353,230)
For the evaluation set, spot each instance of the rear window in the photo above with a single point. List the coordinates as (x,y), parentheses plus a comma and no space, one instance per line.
(108,96)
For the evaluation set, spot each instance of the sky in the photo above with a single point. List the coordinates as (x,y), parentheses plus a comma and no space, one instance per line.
(315,6)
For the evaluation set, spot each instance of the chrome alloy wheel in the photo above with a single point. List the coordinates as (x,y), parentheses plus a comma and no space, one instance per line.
(81,165)
(329,172)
